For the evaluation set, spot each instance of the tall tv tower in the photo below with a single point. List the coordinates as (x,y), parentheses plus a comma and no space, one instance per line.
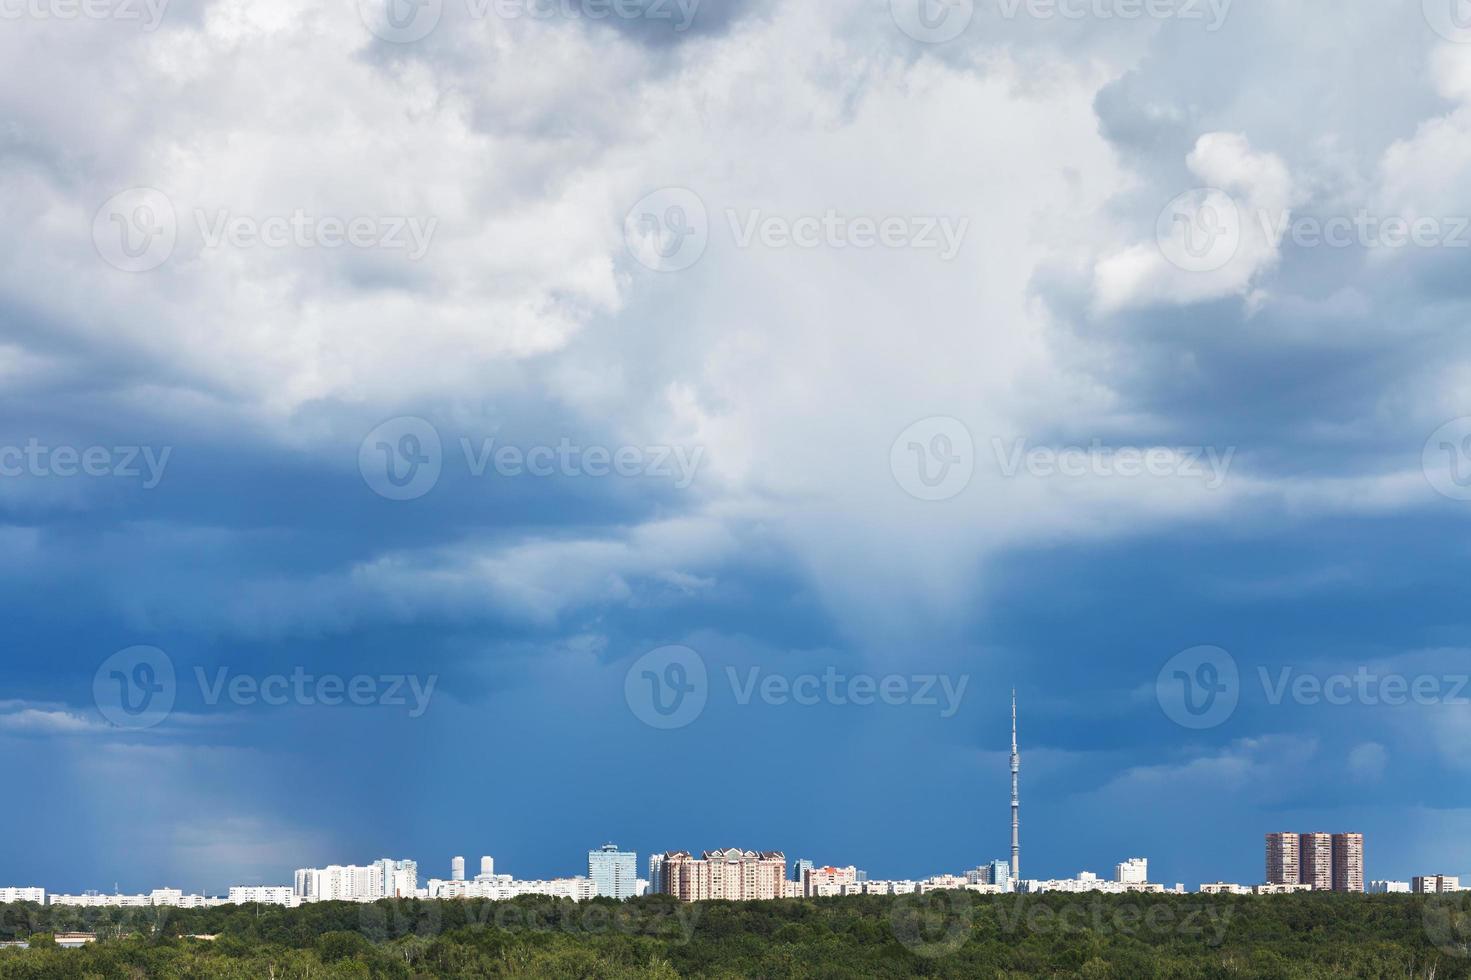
(1016,768)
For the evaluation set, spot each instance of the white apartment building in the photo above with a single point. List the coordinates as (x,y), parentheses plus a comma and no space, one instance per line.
(1134,871)
(883,888)
(496,888)
(263,895)
(9,896)
(1436,884)
(1224,888)
(1087,881)
(174,898)
(1389,888)
(96,900)
(1283,888)
(500,888)
(386,878)
(825,882)
(158,898)
(614,871)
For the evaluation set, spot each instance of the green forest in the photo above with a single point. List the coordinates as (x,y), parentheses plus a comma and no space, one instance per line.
(948,934)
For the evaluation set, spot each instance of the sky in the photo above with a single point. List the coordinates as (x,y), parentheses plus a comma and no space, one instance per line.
(505,426)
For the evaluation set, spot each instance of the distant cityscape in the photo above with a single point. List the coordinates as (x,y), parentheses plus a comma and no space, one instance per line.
(1295,862)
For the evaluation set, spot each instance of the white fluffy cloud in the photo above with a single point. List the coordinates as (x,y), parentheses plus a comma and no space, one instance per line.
(525,142)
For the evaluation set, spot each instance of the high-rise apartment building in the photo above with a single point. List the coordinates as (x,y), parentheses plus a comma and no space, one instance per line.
(800,867)
(1327,862)
(400,878)
(1134,871)
(657,880)
(1284,866)
(457,869)
(350,883)
(1348,862)
(614,872)
(996,872)
(731,874)
(1316,855)
(487,867)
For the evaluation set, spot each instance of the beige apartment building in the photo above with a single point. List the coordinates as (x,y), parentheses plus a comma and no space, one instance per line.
(1435,884)
(1283,864)
(823,882)
(1326,862)
(732,874)
(1348,862)
(1316,856)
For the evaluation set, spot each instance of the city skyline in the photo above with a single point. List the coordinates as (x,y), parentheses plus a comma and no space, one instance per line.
(1327,861)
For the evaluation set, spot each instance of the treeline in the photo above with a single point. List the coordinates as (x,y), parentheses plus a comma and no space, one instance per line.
(954,934)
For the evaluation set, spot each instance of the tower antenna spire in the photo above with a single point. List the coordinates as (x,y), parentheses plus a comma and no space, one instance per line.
(1016,768)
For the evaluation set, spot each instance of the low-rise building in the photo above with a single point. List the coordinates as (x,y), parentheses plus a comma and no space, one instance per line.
(1436,884)
(1389,888)
(1223,888)
(74,940)
(501,888)
(1283,888)
(9,896)
(263,895)
(824,882)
